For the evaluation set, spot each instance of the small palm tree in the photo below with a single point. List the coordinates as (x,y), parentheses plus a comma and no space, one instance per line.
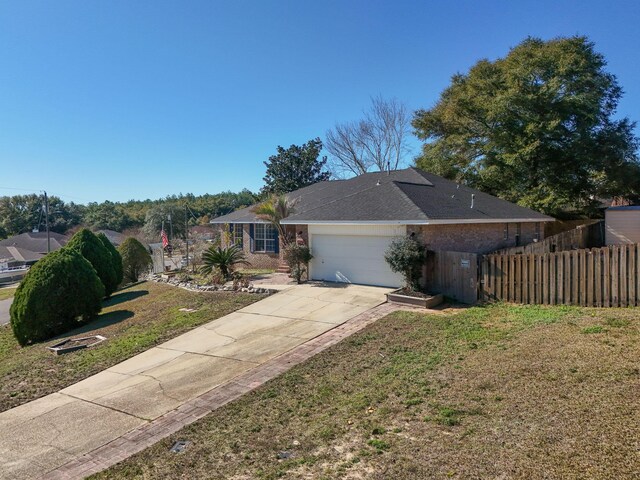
(274,210)
(224,259)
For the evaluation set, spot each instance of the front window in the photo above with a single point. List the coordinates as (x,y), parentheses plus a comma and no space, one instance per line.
(236,233)
(264,238)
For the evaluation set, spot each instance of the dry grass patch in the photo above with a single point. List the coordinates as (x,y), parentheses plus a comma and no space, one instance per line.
(493,392)
(133,320)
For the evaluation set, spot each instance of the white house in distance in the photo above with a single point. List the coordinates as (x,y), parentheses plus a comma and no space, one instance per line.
(622,225)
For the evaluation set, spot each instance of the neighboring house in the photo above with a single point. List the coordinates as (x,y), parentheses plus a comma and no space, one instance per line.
(35,241)
(622,225)
(203,232)
(16,256)
(116,238)
(349,224)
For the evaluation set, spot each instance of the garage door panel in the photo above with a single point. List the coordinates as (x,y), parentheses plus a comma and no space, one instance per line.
(353,259)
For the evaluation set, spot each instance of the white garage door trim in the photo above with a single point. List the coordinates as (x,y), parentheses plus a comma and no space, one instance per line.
(353,253)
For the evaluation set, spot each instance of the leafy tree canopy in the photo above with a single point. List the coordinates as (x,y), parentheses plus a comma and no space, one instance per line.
(294,168)
(536,127)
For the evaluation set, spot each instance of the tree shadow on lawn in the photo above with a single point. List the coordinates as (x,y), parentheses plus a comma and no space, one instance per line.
(102,321)
(123,297)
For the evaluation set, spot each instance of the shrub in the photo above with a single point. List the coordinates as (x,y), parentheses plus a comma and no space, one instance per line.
(116,258)
(298,258)
(406,255)
(223,258)
(135,259)
(58,293)
(91,248)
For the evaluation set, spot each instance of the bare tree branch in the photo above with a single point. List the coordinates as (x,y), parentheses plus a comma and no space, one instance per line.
(374,143)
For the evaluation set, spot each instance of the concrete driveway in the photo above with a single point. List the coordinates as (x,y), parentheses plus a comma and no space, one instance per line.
(53,430)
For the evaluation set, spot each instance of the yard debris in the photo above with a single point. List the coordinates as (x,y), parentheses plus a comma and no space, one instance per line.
(188,310)
(284,455)
(179,446)
(73,344)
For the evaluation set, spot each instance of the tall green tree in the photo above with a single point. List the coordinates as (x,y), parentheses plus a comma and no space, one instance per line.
(294,168)
(116,258)
(91,248)
(135,259)
(536,127)
(106,215)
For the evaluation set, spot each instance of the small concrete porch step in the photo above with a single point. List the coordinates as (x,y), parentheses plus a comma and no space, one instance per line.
(283,268)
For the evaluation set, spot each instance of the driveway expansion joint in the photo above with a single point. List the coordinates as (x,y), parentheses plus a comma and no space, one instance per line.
(152,432)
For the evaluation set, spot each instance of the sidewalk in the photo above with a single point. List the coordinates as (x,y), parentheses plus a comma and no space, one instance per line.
(145,398)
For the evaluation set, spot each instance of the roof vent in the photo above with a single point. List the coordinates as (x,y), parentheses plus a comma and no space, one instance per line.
(473,197)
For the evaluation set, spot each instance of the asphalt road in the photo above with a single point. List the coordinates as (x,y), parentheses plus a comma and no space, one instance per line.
(4,310)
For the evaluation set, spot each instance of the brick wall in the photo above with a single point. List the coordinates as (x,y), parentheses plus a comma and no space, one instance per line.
(475,238)
(257,260)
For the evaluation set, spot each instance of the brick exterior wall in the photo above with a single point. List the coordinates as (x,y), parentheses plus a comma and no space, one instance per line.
(475,238)
(257,259)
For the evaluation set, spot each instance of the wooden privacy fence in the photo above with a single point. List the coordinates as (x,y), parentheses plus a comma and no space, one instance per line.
(584,236)
(600,277)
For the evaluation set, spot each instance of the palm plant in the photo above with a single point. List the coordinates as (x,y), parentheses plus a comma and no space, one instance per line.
(224,259)
(274,210)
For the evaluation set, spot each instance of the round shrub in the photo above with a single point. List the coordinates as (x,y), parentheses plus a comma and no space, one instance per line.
(298,258)
(116,258)
(59,292)
(91,248)
(405,255)
(135,259)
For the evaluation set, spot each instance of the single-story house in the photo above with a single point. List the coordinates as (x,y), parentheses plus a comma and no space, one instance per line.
(36,241)
(349,224)
(116,238)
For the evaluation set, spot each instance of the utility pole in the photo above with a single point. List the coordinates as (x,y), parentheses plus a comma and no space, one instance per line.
(186,233)
(170,228)
(46,215)
(162,246)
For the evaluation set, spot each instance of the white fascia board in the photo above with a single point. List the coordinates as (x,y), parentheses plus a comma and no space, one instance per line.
(416,222)
(231,222)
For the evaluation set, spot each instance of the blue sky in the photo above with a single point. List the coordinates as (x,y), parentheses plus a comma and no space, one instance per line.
(141,99)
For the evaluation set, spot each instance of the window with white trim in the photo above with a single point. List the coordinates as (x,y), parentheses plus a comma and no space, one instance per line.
(264,238)
(236,233)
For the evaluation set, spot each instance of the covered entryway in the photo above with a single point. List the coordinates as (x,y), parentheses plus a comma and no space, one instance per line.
(353,254)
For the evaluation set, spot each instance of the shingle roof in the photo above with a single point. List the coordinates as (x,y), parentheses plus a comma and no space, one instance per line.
(35,241)
(16,254)
(409,196)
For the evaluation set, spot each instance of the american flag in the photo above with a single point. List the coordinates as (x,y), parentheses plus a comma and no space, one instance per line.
(165,240)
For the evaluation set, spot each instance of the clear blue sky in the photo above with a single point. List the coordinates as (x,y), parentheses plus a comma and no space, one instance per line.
(139,99)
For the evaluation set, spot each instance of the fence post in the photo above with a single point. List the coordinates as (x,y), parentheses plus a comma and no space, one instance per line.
(597,253)
(631,273)
(615,275)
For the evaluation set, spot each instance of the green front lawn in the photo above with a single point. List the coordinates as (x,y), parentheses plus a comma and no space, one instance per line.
(133,320)
(489,392)
(7,292)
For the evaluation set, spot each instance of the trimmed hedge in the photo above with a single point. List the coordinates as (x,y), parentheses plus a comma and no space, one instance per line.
(59,293)
(135,259)
(91,248)
(116,258)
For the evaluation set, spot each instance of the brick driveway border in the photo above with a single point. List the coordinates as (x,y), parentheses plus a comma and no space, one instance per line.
(148,434)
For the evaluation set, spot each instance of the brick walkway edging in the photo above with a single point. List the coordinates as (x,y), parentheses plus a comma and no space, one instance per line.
(150,433)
